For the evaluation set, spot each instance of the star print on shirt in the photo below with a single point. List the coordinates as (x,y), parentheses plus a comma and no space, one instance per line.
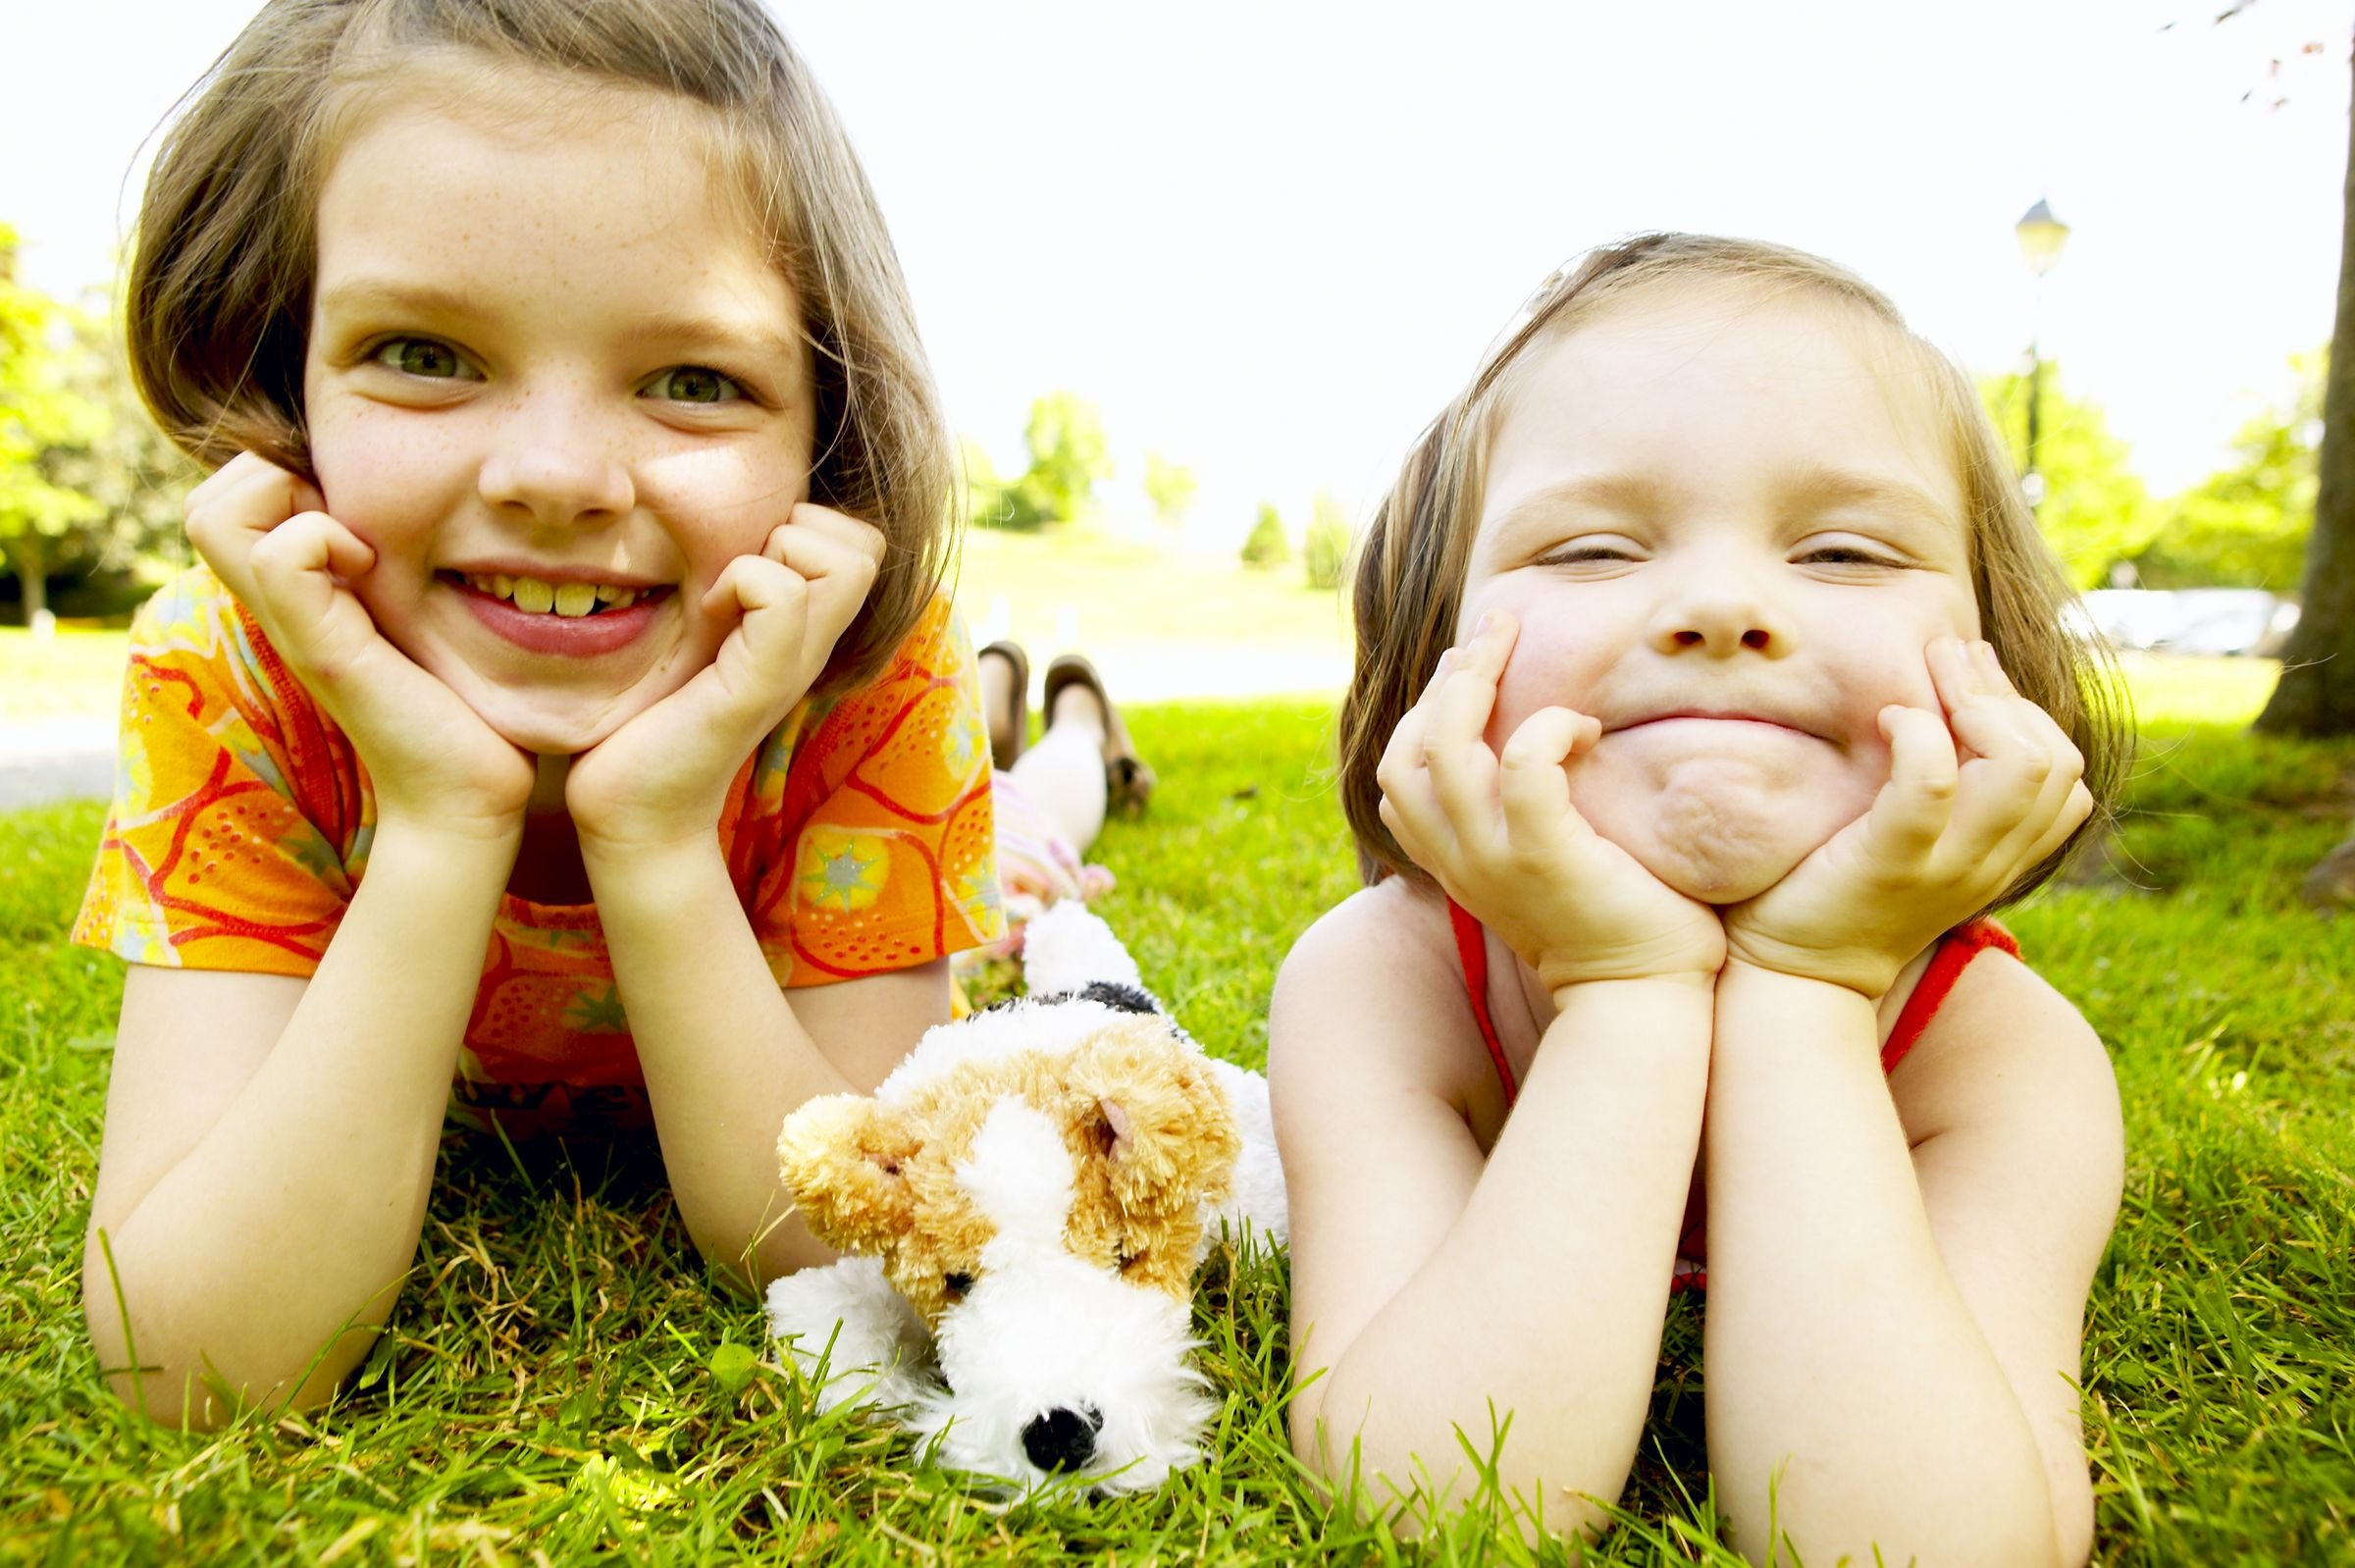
(841,871)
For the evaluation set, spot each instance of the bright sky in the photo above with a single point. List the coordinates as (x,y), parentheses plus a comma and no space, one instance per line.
(1269,241)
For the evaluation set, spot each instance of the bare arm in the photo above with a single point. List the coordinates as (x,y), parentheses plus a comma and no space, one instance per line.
(727,1054)
(1892,1355)
(269,1142)
(1438,1293)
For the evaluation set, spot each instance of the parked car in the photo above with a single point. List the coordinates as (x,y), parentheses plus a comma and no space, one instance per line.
(2191,620)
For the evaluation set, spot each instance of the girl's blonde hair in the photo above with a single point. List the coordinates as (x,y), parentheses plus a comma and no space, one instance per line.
(1410,575)
(221,279)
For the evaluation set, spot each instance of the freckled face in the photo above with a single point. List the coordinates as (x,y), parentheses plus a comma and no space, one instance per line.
(553,379)
(1729,530)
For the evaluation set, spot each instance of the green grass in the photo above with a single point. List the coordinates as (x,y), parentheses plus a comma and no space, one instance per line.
(74,673)
(545,1394)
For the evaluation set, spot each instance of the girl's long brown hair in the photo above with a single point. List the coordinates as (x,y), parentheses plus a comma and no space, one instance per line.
(221,277)
(1412,563)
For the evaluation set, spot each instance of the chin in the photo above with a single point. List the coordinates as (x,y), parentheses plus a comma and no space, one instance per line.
(1721,868)
(1714,881)
(534,729)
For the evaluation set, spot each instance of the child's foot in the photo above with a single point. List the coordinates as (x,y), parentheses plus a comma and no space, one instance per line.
(1074,693)
(1006,701)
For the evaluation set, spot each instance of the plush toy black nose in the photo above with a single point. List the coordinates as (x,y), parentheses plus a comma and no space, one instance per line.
(1063,1438)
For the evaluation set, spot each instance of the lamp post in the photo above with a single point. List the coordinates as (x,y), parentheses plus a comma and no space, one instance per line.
(2041,236)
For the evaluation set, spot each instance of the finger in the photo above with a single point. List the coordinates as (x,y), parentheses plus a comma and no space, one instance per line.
(1455,752)
(237,507)
(1408,804)
(1913,809)
(301,566)
(838,554)
(2062,804)
(2003,782)
(811,520)
(1532,783)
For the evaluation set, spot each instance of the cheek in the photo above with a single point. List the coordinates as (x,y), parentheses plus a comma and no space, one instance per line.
(385,479)
(722,502)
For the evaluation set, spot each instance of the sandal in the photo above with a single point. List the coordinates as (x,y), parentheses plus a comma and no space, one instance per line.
(1008,732)
(1128,781)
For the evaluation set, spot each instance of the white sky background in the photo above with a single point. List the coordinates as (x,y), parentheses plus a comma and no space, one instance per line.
(1269,239)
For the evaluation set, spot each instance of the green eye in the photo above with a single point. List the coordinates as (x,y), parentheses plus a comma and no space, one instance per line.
(693,384)
(422,357)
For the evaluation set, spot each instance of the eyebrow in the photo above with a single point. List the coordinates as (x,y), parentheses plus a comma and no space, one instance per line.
(432,301)
(1815,485)
(1818,484)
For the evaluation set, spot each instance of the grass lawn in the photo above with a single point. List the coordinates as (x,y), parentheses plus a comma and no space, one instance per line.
(546,1391)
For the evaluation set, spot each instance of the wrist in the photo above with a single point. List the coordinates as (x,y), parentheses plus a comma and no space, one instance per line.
(1866,971)
(1855,976)
(641,873)
(453,847)
(1689,983)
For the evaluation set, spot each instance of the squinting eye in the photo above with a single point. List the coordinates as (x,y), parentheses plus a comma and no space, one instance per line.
(693,384)
(954,1285)
(421,356)
(1847,555)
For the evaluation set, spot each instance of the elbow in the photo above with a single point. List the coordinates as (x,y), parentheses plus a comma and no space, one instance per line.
(1423,1485)
(170,1380)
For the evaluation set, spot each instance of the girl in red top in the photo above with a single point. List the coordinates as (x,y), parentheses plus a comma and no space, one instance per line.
(569,674)
(1685,760)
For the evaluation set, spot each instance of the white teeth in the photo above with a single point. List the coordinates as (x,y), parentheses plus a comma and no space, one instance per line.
(569,600)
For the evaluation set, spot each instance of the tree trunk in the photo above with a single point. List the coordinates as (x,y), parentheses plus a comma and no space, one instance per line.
(2316,694)
(32,555)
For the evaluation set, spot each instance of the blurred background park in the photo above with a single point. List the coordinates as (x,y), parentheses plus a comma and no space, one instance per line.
(1192,280)
(1190,288)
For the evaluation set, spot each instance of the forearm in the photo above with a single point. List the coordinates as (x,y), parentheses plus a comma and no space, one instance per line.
(1851,1395)
(1546,1300)
(277,1242)
(724,1057)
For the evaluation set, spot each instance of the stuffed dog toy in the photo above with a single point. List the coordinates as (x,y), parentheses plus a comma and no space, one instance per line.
(1021,1206)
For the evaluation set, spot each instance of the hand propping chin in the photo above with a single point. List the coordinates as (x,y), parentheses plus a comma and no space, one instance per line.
(1975,799)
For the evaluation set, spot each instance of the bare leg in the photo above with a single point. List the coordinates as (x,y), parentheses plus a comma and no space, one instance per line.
(998,702)
(1063,772)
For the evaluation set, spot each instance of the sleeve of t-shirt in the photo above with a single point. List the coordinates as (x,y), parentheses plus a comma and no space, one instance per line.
(239,818)
(882,855)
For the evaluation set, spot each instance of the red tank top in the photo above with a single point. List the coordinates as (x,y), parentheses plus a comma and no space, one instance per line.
(1955,951)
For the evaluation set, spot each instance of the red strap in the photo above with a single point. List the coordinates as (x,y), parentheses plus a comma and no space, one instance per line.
(1472,946)
(1954,951)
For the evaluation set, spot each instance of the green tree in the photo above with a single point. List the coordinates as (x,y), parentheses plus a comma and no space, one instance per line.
(2095,512)
(1170,486)
(40,410)
(1266,546)
(1325,548)
(2246,525)
(1068,455)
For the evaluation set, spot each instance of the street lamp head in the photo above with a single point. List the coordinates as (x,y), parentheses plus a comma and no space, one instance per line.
(2041,236)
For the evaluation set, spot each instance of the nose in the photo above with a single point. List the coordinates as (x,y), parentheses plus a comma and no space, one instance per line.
(552,460)
(1063,1440)
(1720,607)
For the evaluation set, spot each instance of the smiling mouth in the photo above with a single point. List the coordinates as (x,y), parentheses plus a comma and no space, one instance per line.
(571,601)
(1758,719)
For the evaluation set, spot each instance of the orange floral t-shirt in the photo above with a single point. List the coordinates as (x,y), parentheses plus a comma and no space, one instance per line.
(858,839)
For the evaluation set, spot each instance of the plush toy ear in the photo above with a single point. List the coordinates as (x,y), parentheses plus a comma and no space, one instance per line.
(1164,1129)
(842,1158)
